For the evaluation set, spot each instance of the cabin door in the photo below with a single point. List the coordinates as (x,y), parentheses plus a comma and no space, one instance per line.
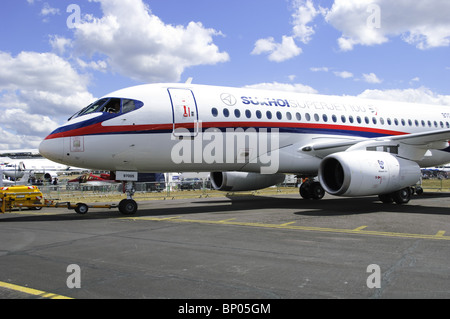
(185,112)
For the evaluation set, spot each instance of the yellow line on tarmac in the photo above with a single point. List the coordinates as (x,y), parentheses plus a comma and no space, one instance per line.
(357,231)
(31,291)
(287,224)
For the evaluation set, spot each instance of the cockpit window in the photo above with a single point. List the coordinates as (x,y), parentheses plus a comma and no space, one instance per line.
(110,105)
(93,107)
(113,106)
(128,106)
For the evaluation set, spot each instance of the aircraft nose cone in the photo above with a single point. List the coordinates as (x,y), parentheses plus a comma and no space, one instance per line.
(52,149)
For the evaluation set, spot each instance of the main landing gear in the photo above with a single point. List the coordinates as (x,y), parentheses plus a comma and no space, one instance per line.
(128,206)
(402,196)
(311,190)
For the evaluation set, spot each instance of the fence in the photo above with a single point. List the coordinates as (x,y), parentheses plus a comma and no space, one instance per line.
(149,191)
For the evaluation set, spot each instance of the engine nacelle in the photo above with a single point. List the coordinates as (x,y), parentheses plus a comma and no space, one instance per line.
(241,181)
(364,173)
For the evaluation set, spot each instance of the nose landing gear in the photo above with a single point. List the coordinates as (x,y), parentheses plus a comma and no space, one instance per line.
(128,206)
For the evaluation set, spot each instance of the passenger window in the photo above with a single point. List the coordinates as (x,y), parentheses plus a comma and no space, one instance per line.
(343,119)
(366,119)
(237,113)
(248,114)
(258,114)
(269,115)
(226,113)
(396,122)
(389,122)
(316,117)
(358,119)
(325,118)
(374,120)
(334,118)
(298,116)
(214,112)
(350,119)
(308,117)
(289,116)
(279,115)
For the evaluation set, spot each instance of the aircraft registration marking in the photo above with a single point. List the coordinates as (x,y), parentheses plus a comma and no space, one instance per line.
(358,231)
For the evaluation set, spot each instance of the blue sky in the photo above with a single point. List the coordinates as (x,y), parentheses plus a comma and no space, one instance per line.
(396,50)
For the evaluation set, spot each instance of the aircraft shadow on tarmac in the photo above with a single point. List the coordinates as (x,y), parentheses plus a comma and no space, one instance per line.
(333,206)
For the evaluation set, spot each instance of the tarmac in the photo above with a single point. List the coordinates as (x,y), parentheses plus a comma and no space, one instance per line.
(242,247)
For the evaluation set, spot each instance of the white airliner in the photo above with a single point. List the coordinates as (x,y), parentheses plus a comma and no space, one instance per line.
(249,139)
(16,163)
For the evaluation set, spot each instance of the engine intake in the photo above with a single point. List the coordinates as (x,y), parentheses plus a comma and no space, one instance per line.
(364,173)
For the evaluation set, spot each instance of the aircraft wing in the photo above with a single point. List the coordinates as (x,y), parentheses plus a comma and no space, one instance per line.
(412,146)
(425,138)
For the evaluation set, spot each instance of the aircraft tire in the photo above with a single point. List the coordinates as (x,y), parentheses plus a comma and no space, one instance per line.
(81,209)
(386,198)
(128,207)
(305,190)
(402,196)
(419,190)
(317,191)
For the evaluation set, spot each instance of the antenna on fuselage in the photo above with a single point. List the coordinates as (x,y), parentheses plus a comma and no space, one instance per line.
(189,81)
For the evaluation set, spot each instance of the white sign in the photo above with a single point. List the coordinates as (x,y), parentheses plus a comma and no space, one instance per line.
(127,176)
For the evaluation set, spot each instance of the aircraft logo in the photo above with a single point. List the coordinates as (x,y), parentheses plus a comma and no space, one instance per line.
(228,99)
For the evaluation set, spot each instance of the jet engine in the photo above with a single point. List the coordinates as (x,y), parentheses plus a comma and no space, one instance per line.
(364,173)
(241,181)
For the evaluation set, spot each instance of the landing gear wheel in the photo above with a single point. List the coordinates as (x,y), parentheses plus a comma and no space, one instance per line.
(386,198)
(312,190)
(317,191)
(81,209)
(128,207)
(305,190)
(402,196)
(419,190)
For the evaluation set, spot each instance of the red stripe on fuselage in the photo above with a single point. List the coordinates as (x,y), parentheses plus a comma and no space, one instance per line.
(99,129)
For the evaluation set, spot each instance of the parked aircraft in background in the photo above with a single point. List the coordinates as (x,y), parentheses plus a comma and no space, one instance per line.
(15,163)
(94,180)
(249,139)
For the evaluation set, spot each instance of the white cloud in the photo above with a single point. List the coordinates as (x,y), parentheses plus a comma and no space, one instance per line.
(33,87)
(278,52)
(137,44)
(343,74)
(275,86)
(321,69)
(47,10)
(304,14)
(371,78)
(424,24)
(420,95)
(60,44)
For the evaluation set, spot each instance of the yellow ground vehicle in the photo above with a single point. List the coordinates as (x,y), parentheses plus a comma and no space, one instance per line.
(31,197)
(20,196)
